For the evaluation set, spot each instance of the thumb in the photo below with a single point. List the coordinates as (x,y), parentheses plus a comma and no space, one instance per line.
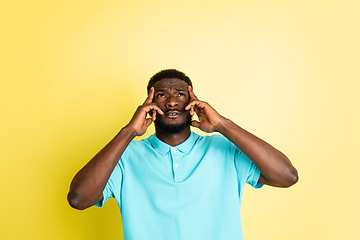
(195,123)
(148,122)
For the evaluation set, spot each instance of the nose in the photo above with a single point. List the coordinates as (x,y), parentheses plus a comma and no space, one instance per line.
(171,102)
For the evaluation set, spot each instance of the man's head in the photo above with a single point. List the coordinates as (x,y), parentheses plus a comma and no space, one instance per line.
(172,96)
(168,73)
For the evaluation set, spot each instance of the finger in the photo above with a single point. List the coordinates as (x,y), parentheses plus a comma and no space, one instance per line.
(159,111)
(195,107)
(192,98)
(151,96)
(192,105)
(192,110)
(191,93)
(153,117)
(153,108)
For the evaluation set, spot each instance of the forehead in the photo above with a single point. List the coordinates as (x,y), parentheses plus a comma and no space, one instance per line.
(168,83)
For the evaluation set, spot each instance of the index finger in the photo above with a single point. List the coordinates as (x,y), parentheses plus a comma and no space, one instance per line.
(151,96)
(191,93)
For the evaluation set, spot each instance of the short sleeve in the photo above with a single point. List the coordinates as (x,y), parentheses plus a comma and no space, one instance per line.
(113,186)
(246,170)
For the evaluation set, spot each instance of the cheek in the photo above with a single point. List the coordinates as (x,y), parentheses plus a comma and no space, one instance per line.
(186,100)
(184,106)
(158,101)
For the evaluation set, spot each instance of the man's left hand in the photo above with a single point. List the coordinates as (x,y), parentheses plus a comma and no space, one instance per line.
(209,118)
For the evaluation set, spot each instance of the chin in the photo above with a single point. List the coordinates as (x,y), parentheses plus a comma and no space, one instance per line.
(174,127)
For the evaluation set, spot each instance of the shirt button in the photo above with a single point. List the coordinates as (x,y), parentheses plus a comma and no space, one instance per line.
(176,165)
(174,151)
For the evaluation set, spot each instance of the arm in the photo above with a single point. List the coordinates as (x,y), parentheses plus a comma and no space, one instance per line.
(87,186)
(276,169)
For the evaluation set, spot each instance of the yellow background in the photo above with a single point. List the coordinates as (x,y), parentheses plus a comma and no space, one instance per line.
(73,73)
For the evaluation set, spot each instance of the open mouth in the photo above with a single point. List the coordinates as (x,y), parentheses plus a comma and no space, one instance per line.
(172,114)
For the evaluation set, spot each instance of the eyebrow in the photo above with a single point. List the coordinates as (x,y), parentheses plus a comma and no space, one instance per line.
(160,90)
(166,89)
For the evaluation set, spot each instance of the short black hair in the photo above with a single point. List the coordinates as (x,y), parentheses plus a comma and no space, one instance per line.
(168,73)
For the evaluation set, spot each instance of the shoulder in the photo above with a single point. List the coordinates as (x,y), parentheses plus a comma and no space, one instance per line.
(136,146)
(139,143)
(216,140)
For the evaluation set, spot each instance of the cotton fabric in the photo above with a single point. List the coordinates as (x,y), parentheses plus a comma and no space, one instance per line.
(190,191)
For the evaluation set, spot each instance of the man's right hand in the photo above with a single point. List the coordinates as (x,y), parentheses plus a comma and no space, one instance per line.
(87,186)
(139,123)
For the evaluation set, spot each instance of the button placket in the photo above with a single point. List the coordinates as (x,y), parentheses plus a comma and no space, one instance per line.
(176,157)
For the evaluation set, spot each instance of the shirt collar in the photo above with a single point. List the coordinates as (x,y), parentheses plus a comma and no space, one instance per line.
(163,148)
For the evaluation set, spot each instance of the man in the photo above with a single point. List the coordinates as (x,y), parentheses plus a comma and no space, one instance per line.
(177,184)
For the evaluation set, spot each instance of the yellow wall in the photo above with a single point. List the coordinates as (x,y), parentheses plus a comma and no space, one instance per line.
(73,72)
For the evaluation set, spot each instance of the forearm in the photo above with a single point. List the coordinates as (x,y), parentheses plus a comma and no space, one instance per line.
(275,167)
(87,186)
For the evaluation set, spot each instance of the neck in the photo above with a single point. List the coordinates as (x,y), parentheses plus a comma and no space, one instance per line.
(173,139)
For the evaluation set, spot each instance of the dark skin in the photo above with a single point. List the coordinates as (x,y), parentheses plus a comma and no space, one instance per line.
(172,96)
(170,101)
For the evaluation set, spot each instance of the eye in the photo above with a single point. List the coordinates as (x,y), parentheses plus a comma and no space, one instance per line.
(160,95)
(180,94)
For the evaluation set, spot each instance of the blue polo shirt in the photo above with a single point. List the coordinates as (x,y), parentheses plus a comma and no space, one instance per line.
(190,191)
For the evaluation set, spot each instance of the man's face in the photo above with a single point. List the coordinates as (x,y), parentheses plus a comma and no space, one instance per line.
(172,96)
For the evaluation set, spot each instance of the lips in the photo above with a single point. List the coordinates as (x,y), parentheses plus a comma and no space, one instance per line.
(172,113)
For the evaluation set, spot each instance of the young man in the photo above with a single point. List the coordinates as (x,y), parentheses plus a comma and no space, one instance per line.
(177,184)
